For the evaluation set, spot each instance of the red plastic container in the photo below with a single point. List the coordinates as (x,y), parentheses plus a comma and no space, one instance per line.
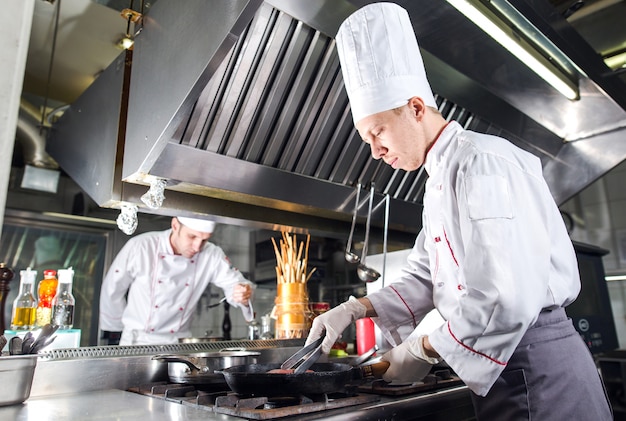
(365,335)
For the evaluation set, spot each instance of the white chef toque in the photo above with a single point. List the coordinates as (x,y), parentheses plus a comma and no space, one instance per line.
(201,225)
(380,60)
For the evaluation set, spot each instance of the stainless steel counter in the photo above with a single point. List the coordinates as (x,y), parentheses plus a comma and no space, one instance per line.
(114,405)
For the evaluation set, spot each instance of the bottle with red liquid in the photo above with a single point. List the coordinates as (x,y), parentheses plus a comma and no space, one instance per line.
(46,291)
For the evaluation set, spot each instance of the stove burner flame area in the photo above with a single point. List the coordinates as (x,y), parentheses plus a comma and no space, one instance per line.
(281,402)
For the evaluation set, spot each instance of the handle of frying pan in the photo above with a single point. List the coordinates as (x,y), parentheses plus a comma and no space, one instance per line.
(366,356)
(174,359)
(375,370)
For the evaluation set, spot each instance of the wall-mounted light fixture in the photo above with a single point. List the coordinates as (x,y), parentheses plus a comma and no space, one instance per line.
(515,33)
(131,16)
(125,43)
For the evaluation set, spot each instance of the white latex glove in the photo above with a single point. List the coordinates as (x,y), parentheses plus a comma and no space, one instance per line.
(334,322)
(408,362)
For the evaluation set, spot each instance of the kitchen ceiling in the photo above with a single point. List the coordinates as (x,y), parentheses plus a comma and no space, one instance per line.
(475,82)
(86,38)
(601,24)
(89,30)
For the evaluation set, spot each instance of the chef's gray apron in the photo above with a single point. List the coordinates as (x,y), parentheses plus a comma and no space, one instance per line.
(550,377)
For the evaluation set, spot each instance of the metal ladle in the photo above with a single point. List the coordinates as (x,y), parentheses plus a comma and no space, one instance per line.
(353,257)
(367,274)
(386,228)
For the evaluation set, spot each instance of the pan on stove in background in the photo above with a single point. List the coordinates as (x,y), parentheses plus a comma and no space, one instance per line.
(203,368)
(254,379)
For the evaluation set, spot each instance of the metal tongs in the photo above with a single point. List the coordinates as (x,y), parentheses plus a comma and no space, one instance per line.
(304,358)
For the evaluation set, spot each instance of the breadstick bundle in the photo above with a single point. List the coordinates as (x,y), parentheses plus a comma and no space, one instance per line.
(292,302)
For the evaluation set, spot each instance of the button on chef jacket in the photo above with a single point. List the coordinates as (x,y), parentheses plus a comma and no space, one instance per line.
(492,254)
(163,289)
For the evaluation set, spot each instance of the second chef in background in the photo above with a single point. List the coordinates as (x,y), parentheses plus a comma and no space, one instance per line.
(152,287)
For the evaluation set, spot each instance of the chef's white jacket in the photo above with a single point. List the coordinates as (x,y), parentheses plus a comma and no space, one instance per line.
(493,252)
(163,289)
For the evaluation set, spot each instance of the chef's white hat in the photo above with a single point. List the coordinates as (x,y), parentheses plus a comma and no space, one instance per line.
(380,60)
(201,225)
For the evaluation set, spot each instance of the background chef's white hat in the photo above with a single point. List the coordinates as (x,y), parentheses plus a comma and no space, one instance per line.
(201,225)
(380,60)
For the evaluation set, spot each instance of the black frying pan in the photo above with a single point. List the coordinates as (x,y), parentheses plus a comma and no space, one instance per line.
(254,379)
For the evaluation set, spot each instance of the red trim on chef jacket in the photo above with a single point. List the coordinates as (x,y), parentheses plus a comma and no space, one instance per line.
(450,247)
(472,349)
(436,271)
(406,305)
(439,135)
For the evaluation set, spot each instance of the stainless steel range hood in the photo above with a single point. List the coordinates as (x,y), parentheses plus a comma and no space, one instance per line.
(240,106)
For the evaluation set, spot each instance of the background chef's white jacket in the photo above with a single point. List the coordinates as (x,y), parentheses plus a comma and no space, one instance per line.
(163,289)
(492,254)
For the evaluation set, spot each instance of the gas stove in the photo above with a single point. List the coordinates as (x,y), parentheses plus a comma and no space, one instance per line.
(218,398)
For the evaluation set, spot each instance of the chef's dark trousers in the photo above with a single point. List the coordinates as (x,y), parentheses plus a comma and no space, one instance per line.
(550,377)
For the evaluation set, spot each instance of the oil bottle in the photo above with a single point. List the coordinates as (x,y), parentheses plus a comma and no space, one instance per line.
(25,305)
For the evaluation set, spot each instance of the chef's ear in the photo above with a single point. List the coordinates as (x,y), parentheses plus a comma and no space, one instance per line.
(175,224)
(417,106)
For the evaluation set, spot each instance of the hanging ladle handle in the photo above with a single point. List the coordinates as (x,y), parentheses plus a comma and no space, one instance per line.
(385,234)
(365,273)
(367,224)
(351,257)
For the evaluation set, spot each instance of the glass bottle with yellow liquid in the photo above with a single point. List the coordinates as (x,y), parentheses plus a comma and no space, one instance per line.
(46,291)
(25,305)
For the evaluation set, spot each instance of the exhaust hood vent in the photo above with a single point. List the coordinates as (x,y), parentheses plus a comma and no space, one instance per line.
(272,125)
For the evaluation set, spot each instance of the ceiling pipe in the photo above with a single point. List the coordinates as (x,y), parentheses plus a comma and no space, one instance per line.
(32,139)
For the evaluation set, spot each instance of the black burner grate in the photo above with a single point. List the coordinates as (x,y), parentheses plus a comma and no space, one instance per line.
(251,407)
